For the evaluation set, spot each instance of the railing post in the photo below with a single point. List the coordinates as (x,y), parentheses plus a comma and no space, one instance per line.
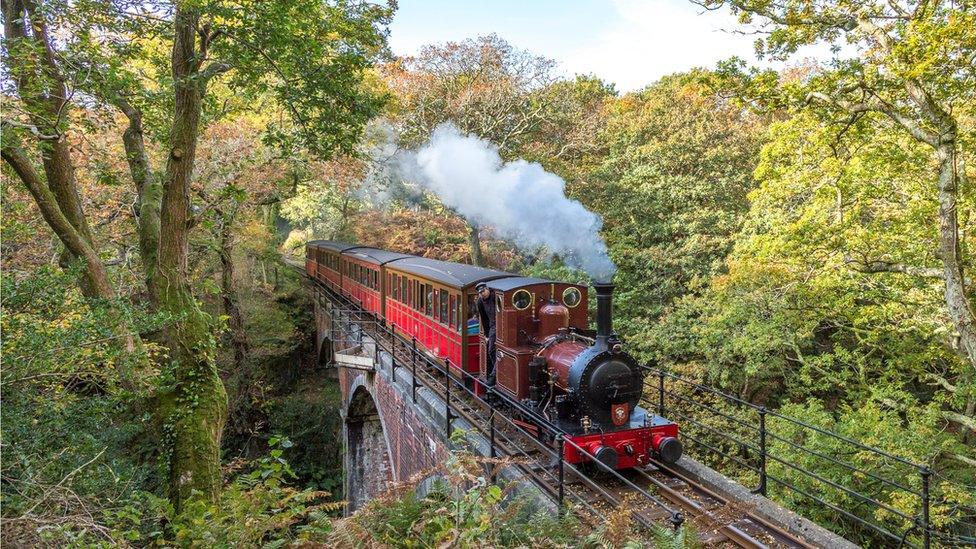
(926,533)
(447,410)
(413,366)
(491,445)
(393,364)
(761,489)
(660,393)
(562,484)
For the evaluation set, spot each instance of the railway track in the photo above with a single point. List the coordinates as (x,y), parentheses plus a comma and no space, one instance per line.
(656,495)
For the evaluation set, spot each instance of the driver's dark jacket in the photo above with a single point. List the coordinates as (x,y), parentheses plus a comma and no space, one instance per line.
(486,312)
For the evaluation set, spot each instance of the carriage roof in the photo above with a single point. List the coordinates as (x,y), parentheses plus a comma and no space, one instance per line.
(451,274)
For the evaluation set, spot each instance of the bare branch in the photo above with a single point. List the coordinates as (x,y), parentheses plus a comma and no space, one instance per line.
(890,267)
(31,128)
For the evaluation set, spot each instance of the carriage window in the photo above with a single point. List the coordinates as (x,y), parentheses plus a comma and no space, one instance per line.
(430,300)
(444,308)
(457,312)
(437,309)
(453,314)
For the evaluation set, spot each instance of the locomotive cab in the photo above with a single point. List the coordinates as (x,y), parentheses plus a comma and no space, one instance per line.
(583,383)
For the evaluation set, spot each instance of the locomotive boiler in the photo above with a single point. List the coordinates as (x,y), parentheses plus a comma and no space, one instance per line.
(582,382)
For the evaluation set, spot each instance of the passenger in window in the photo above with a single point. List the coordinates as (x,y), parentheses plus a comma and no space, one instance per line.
(487,305)
(473,324)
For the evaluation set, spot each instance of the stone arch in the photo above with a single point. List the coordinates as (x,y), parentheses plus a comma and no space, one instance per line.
(368,464)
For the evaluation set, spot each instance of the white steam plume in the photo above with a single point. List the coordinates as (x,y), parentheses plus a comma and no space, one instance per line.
(521,200)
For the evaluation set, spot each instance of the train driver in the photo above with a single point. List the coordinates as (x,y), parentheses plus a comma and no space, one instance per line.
(487,305)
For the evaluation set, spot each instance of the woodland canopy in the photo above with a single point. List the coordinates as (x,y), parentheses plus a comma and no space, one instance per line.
(799,239)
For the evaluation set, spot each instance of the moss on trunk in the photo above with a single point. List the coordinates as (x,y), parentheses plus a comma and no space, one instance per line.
(194,404)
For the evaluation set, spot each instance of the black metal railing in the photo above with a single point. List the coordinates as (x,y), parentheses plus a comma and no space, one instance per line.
(788,460)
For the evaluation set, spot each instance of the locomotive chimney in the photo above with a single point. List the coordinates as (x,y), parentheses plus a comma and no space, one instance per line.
(604,311)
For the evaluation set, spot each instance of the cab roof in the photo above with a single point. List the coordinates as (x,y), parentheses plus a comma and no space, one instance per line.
(450,274)
(506,284)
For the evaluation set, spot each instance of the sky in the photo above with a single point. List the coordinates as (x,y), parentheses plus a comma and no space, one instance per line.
(628,42)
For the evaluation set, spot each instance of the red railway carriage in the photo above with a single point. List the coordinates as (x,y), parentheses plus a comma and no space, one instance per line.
(327,257)
(363,274)
(432,300)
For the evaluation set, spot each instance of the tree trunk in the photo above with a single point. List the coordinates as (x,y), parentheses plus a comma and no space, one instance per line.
(95,277)
(148,189)
(960,309)
(228,296)
(195,407)
(474,242)
(42,90)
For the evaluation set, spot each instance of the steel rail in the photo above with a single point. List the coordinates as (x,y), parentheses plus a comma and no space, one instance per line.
(779,532)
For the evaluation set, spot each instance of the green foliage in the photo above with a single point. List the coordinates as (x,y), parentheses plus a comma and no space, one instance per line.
(461,509)
(308,414)
(914,434)
(811,311)
(672,192)
(312,58)
(75,443)
(821,221)
(258,508)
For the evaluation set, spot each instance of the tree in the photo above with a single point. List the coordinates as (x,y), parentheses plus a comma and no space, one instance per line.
(672,192)
(309,58)
(916,69)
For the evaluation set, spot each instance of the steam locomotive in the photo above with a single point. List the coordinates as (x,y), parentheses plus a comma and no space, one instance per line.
(580,381)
